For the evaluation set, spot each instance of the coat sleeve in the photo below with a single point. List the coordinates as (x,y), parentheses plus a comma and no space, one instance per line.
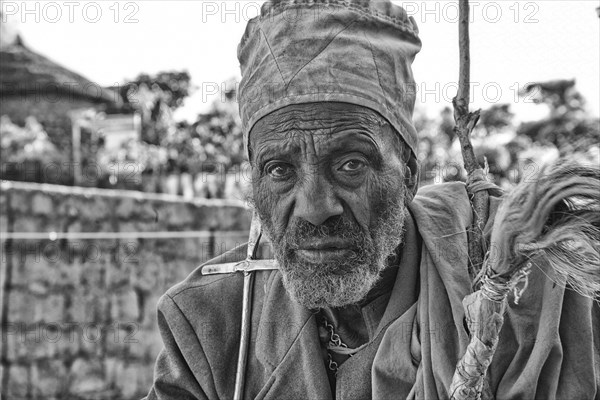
(173,376)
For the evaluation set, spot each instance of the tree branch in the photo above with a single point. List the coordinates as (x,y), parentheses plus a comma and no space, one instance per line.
(465,122)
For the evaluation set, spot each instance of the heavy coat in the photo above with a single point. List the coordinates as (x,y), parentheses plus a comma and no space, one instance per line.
(549,345)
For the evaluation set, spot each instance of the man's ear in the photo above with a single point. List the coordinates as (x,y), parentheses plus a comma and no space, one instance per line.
(411,176)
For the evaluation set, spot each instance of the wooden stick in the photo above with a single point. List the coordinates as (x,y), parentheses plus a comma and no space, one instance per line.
(240,374)
(469,380)
(465,122)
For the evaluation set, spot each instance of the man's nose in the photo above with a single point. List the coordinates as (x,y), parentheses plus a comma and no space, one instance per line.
(317,201)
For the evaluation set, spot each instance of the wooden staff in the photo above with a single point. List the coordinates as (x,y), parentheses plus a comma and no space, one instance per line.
(465,122)
(556,217)
(240,375)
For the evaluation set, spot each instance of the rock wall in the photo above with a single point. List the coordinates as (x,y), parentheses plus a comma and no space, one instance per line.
(82,270)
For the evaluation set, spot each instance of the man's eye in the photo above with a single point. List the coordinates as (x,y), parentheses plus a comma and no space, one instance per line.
(279,170)
(352,166)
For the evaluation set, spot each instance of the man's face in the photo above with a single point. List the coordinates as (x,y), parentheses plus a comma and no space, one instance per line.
(328,185)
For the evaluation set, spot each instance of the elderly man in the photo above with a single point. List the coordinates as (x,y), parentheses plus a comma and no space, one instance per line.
(365,298)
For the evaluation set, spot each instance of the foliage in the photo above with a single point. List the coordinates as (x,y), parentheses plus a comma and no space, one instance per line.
(567,127)
(126,167)
(155,98)
(29,142)
(211,144)
(28,154)
(213,141)
(496,118)
(172,86)
(513,152)
(220,132)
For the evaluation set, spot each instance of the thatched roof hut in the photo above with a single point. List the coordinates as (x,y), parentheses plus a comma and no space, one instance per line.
(24,72)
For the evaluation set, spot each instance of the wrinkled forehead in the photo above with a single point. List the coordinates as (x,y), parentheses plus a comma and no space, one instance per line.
(318,121)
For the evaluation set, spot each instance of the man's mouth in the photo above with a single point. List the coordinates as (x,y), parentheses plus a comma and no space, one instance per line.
(324,250)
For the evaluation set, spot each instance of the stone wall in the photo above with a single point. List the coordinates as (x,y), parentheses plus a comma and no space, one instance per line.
(82,270)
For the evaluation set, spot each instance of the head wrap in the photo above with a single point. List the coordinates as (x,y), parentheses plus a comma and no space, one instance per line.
(352,51)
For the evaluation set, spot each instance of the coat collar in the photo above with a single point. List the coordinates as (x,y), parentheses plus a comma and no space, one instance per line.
(406,287)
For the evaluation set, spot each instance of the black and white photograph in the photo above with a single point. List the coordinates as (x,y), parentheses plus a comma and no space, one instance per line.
(300,199)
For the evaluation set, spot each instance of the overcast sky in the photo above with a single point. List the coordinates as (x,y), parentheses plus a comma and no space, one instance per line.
(513,42)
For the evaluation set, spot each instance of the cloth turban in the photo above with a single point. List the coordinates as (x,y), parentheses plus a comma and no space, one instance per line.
(351,51)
